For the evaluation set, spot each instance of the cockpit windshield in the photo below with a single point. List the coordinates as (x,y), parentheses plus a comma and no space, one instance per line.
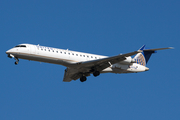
(20,46)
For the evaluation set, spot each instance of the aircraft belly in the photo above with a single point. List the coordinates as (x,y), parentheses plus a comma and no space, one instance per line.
(41,58)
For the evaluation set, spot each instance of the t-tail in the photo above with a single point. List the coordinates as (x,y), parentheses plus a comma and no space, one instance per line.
(143,57)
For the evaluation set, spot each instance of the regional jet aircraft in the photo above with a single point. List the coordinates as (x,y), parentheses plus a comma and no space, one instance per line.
(79,64)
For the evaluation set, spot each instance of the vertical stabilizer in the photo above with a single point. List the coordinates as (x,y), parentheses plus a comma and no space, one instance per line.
(143,58)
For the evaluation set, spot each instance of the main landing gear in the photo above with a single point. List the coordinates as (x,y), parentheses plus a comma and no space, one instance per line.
(83,78)
(96,73)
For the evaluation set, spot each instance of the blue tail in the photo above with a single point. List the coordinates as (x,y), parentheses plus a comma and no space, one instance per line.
(143,58)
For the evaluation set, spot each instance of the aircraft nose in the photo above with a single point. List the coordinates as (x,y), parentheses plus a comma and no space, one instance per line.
(8,51)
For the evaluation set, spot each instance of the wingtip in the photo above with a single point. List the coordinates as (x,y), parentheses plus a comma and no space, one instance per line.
(171,47)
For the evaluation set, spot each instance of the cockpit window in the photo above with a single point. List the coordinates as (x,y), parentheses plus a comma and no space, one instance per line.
(20,46)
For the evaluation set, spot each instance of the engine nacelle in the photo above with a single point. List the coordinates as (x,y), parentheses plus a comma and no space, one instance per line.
(128,60)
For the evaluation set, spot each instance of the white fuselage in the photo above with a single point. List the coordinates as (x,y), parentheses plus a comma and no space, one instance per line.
(62,57)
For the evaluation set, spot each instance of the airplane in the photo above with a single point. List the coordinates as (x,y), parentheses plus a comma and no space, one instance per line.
(80,65)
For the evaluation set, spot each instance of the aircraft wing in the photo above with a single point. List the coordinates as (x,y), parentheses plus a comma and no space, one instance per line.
(111,60)
(71,74)
(76,70)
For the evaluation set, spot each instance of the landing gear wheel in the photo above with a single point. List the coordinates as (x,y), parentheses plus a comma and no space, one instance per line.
(17,60)
(83,78)
(96,73)
(16,63)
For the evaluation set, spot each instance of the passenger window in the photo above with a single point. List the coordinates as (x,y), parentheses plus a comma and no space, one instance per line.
(76,54)
(69,53)
(83,55)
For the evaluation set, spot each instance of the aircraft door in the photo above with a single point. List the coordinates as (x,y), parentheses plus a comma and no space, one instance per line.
(32,49)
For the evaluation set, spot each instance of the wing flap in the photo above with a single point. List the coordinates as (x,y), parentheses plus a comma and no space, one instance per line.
(73,74)
(70,74)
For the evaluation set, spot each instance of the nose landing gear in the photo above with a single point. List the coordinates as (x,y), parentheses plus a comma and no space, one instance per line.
(12,56)
(16,63)
(17,60)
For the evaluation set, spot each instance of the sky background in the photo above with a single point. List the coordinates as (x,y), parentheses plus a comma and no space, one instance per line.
(35,91)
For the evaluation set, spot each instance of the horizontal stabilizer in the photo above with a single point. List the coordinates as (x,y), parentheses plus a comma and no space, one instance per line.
(158,49)
(143,58)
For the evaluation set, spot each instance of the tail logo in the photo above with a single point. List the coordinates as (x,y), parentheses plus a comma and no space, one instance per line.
(139,58)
